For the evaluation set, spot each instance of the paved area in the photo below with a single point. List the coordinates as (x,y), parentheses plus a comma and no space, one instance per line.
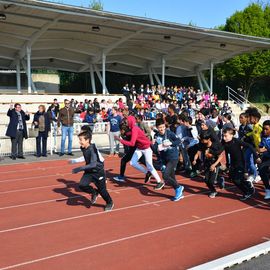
(260,263)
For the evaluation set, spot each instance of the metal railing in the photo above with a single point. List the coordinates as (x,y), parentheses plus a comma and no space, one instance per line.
(241,100)
(54,139)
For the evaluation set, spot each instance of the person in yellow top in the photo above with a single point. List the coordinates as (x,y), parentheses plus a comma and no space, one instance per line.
(255,139)
(255,134)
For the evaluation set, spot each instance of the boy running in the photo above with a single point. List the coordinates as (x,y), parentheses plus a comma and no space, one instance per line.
(212,150)
(235,161)
(93,171)
(166,143)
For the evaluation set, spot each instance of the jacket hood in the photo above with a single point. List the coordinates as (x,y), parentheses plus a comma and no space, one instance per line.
(131,121)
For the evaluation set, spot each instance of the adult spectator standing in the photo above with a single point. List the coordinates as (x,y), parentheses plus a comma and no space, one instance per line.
(43,123)
(65,118)
(113,129)
(17,129)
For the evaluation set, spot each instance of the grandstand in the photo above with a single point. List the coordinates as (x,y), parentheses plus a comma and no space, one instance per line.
(42,35)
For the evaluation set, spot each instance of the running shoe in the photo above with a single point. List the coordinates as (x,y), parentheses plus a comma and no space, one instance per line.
(108,207)
(159,186)
(267,194)
(119,178)
(94,197)
(147,177)
(246,196)
(178,194)
(212,195)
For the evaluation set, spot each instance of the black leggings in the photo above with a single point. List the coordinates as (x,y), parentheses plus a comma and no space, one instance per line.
(169,173)
(211,177)
(99,179)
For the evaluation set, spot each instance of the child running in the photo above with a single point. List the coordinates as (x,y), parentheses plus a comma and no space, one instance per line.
(212,150)
(93,171)
(235,162)
(139,139)
(166,143)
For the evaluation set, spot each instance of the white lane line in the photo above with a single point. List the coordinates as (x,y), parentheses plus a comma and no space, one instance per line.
(58,199)
(41,187)
(45,168)
(98,213)
(134,236)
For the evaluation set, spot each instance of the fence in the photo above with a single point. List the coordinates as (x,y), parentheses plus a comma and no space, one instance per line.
(53,144)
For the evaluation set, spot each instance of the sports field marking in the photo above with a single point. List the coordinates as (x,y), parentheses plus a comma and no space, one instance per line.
(98,213)
(45,168)
(134,236)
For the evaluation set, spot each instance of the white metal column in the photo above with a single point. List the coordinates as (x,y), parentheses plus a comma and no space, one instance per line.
(18,75)
(92,76)
(163,62)
(204,81)
(103,73)
(150,76)
(211,77)
(156,76)
(200,81)
(28,54)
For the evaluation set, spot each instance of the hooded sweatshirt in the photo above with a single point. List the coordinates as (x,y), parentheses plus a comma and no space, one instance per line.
(138,137)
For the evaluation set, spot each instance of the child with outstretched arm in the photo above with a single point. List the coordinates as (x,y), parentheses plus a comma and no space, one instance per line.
(93,171)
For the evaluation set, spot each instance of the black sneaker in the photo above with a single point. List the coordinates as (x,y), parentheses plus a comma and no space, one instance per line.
(246,196)
(94,197)
(147,177)
(21,157)
(108,207)
(159,186)
(61,154)
(70,154)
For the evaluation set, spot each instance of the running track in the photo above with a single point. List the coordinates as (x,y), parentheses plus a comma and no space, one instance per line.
(46,223)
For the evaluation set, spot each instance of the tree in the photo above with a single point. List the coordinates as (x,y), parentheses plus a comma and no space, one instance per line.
(96,5)
(248,69)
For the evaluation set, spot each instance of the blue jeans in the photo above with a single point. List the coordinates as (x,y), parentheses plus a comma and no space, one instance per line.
(249,161)
(66,131)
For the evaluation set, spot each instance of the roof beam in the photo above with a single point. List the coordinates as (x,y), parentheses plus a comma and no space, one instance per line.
(35,36)
(109,49)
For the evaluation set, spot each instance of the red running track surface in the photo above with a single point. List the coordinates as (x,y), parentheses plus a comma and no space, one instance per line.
(47,223)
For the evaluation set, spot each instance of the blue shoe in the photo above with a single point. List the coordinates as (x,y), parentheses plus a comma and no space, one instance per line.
(119,178)
(178,194)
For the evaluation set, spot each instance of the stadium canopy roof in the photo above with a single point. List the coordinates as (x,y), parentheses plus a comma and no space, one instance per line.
(79,39)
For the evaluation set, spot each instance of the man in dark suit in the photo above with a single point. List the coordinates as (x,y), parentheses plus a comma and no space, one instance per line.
(17,129)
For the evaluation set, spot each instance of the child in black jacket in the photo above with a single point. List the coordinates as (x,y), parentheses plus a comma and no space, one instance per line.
(212,150)
(93,171)
(236,163)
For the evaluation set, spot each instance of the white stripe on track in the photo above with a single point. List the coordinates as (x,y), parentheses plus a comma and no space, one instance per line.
(130,237)
(98,213)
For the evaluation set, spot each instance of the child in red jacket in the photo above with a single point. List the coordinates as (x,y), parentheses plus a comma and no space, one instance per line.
(142,143)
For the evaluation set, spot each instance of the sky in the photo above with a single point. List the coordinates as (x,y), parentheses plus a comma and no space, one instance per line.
(203,13)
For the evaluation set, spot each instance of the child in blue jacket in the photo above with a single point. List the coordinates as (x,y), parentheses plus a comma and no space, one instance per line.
(166,144)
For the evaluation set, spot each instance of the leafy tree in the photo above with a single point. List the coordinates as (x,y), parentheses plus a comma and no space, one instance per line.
(96,5)
(248,69)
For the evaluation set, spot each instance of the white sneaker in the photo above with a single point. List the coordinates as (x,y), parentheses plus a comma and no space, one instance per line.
(267,194)
(257,179)
(250,178)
